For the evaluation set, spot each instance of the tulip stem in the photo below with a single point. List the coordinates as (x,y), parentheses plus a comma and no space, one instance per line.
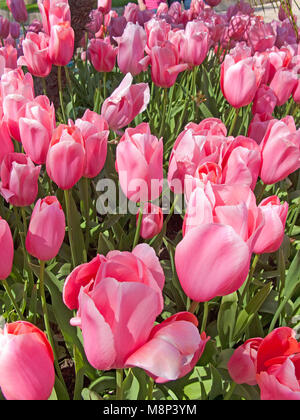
(13,301)
(70,91)
(261,194)
(70,228)
(233,121)
(104,89)
(250,276)
(60,92)
(119,384)
(230,391)
(150,389)
(163,118)
(44,85)
(138,228)
(171,210)
(86,206)
(205,317)
(193,307)
(46,320)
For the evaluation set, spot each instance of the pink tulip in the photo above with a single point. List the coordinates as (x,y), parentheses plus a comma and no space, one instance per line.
(195,45)
(19,179)
(237,26)
(104,5)
(139,160)
(260,35)
(54,12)
(81,276)
(131,46)
(265,100)
(124,295)
(283,84)
(157,33)
(14,109)
(172,350)
(102,54)
(241,162)
(6,250)
(95,131)
(66,156)
(165,65)
(18,10)
(280,149)
(271,236)
(152,221)
(36,128)
(242,364)
(277,369)
(6,145)
(46,230)
(24,377)
(239,81)
(217,268)
(16,82)
(258,126)
(125,103)
(36,54)
(130,12)
(61,44)
(195,146)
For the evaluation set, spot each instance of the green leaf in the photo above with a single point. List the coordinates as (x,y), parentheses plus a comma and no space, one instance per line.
(291,283)
(246,316)
(135,385)
(226,319)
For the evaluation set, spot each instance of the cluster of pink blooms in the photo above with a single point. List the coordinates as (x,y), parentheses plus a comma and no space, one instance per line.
(119,296)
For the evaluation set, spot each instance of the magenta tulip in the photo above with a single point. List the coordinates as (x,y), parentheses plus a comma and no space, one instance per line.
(4,27)
(18,10)
(24,377)
(46,230)
(125,103)
(6,251)
(102,54)
(19,179)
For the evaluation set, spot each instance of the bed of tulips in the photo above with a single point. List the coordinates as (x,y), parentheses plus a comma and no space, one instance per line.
(150,226)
